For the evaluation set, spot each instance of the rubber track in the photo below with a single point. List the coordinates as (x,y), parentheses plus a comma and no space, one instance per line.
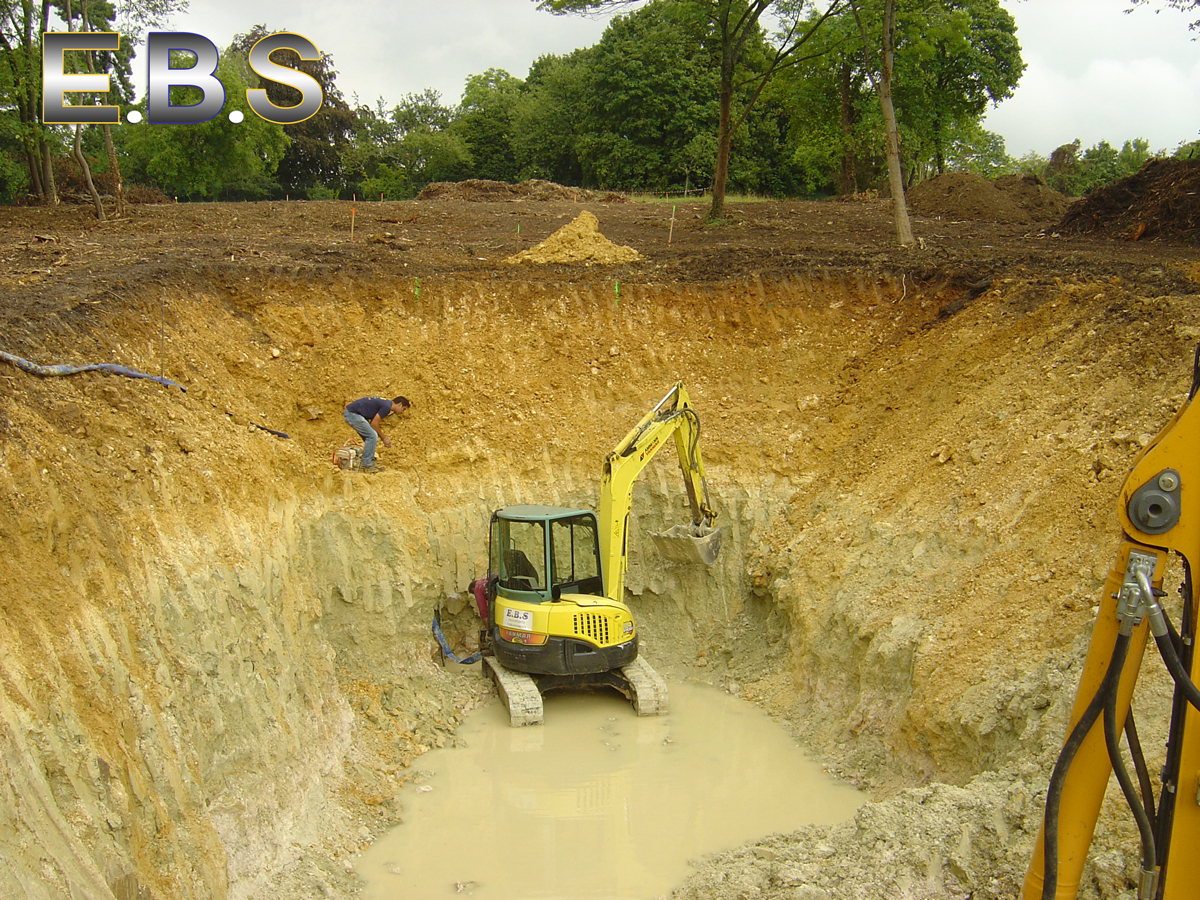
(519,693)
(648,690)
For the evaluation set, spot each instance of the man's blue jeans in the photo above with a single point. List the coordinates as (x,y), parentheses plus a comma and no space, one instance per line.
(366,432)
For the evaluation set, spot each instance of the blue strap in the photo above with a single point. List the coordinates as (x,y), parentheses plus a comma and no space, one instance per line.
(446,651)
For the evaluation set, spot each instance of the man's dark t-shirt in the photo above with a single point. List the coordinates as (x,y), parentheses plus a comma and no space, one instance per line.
(369,407)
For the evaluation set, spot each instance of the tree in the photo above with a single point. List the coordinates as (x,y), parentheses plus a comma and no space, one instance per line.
(975,149)
(732,27)
(832,112)
(880,73)
(951,59)
(1074,174)
(135,17)
(22,23)
(1181,5)
(652,88)
(313,159)
(954,58)
(395,153)
(85,24)
(21,26)
(485,123)
(550,116)
(213,160)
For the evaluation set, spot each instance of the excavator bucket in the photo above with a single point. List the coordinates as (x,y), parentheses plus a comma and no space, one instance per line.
(689,543)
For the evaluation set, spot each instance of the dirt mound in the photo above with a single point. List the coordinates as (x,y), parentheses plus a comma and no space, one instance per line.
(1033,195)
(579,243)
(1161,200)
(1012,199)
(533,189)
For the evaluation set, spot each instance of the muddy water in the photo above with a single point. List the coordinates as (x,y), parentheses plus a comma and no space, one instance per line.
(596,803)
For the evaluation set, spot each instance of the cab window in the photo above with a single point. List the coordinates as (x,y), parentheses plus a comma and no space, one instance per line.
(575,552)
(521,555)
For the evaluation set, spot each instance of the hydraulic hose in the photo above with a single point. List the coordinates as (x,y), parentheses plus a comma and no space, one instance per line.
(1139,765)
(1175,666)
(1066,756)
(1162,630)
(1182,642)
(1113,741)
(1195,374)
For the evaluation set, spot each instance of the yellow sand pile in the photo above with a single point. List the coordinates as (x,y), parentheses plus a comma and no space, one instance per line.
(579,243)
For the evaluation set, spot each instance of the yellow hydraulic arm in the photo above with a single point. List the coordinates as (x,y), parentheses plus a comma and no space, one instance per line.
(1160,514)
(672,417)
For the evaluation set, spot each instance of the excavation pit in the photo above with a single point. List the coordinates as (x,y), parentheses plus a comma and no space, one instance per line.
(219,677)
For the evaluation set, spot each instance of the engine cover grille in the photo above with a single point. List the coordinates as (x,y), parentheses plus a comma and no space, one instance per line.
(593,627)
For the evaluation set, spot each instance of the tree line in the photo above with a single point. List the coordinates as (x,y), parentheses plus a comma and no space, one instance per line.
(819,99)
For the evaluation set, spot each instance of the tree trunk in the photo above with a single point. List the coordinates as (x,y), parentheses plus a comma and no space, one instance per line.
(884,89)
(114,166)
(87,174)
(848,183)
(49,190)
(35,171)
(724,139)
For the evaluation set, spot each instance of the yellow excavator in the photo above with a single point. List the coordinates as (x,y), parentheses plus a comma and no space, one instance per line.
(553,600)
(1160,515)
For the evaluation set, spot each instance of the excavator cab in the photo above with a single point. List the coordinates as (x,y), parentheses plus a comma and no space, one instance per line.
(527,542)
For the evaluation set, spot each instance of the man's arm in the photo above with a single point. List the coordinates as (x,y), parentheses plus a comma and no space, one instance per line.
(375,423)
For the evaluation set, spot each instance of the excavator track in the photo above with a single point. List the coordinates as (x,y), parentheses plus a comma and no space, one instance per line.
(647,689)
(519,693)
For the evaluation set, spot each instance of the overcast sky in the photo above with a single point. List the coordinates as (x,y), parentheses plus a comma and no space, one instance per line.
(1093,72)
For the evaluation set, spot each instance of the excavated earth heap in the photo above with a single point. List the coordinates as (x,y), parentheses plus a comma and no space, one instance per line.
(579,243)
(1161,200)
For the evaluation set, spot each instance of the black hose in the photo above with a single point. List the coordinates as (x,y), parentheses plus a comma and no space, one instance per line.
(1070,747)
(1182,642)
(1139,766)
(1166,650)
(1195,374)
(1112,740)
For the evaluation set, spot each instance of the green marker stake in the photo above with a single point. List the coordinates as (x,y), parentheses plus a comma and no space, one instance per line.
(616,292)
(416,287)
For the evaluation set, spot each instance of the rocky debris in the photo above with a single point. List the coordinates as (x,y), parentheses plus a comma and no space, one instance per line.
(938,841)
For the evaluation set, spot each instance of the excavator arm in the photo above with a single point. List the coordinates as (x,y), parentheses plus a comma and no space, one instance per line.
(1160,515)
(673,417)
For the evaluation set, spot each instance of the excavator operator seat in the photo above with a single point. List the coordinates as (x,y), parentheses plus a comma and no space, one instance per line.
(519,573)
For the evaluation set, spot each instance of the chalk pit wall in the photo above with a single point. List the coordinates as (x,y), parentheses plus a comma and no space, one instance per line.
(216,656)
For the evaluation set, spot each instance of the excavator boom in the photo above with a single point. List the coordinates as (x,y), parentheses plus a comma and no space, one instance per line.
(673,417)
(1160,515)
